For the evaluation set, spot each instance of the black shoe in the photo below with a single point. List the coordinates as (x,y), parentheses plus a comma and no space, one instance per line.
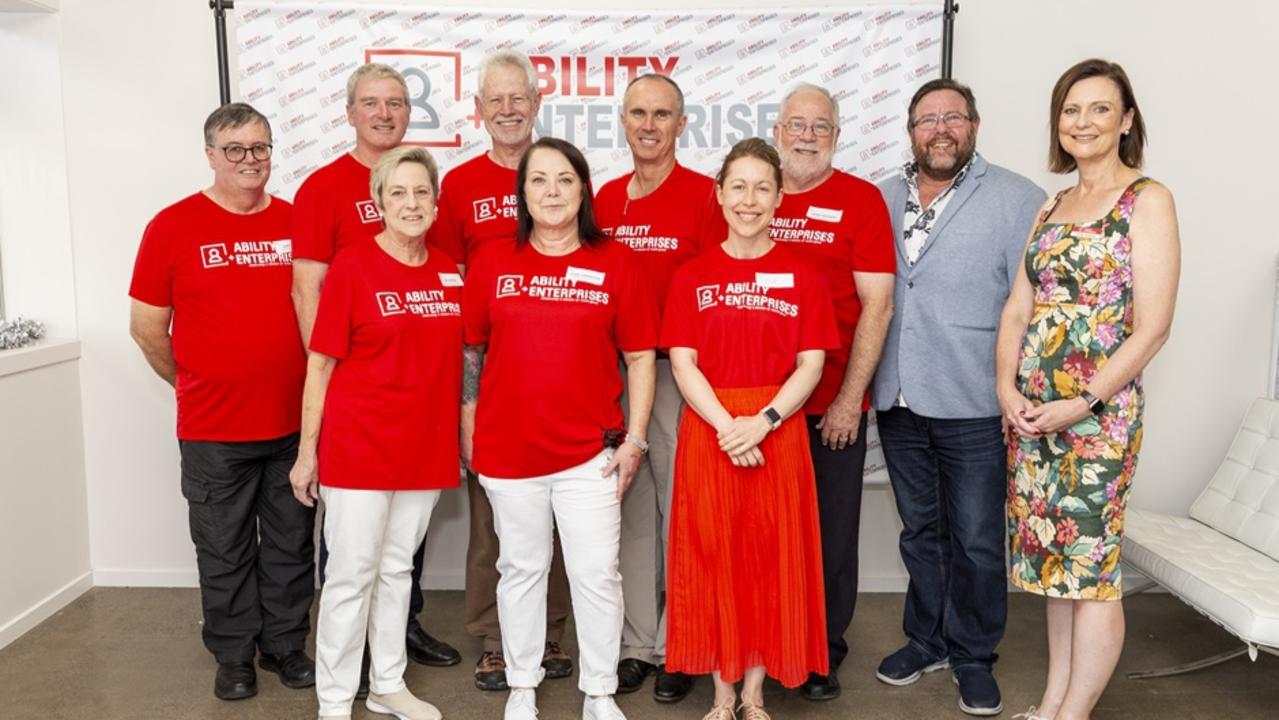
(426,650)
(235,681)
(556,662)
(820,687)
(631,673)
(978,691)
(907,666)
(671,687)
(362,690)
(490,671)
(295,669)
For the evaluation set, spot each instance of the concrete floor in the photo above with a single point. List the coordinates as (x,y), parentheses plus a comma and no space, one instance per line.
(136,654)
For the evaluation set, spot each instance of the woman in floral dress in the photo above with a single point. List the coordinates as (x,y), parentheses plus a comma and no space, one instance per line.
(1093,307)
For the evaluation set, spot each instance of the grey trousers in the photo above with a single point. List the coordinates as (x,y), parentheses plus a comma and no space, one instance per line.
(645,527)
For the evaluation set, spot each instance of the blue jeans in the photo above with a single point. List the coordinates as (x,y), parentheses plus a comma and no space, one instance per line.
(949,478)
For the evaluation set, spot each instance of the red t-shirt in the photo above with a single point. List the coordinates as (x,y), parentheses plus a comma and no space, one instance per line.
(553,326)
(748,319)
(842,227)
(235,338)
(477,209)
(391,412)
(332,210)
(665,228)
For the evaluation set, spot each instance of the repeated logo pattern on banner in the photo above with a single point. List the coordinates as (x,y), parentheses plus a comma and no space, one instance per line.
(734,68)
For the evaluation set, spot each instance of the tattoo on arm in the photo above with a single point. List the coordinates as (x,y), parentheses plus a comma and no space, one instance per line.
(472,364)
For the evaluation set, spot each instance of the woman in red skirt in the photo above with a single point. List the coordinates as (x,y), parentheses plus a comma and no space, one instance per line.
(747,325)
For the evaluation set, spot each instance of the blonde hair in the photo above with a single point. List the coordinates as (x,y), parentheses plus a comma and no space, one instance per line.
(396,157)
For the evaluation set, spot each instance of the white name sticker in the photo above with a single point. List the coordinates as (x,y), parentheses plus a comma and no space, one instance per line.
(282,247)
(824,214)
(577,274)
(775,280)
(450,280)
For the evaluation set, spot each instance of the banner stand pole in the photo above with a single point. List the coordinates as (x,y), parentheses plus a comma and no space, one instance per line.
(948,38)
(219,8)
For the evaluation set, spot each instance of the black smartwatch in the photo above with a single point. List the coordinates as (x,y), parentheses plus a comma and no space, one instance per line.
(772,416)
(1095,404)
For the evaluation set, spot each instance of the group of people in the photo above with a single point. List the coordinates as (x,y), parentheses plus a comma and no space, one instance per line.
(657,394)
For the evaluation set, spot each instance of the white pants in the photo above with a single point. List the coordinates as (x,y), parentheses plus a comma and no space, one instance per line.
(372,535)
(584,506)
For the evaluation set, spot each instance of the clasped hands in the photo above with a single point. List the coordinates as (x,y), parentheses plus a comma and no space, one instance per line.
(1033,421)
(740,439)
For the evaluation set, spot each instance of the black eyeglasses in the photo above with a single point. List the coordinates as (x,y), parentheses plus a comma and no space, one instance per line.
(237,153)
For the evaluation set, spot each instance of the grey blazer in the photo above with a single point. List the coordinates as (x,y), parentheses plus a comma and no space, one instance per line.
(940,350)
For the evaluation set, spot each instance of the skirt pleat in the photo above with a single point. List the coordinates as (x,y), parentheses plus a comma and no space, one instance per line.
(744,571)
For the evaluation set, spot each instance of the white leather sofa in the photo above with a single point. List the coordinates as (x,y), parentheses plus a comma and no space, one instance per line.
(1223,560)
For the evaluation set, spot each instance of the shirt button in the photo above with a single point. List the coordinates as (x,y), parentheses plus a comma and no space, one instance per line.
(910,284)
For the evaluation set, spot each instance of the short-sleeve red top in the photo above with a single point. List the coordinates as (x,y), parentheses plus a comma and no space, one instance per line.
(554,326)
(841,227)
(235,337)
(391,411)
(477,209)
(665,228)
(748,319)
(332,210)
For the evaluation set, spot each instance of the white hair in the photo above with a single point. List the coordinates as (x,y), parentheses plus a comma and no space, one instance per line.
(810,87)
(509,58)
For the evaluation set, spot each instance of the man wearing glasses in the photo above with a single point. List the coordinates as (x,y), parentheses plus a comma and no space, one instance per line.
(212,315)
(332,211)
(960,226)
(477,211)
(840,223)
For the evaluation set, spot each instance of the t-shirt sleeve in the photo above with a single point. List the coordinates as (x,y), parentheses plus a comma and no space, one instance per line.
(446,231)
(335,318)
(635,324)
(817,329)
(680,319)
(476,291)
(314,227)
(873,234)
(153,268)
(713,229)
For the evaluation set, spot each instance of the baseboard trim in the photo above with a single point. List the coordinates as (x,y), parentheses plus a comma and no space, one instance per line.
(45,609)
(146,578)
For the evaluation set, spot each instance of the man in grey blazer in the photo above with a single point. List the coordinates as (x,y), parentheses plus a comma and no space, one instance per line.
(960,226)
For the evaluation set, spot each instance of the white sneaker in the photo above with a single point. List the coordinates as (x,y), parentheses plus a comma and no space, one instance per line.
(403,705)
(521,704)
(601,707)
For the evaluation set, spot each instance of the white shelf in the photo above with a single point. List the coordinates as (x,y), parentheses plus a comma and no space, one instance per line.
(48,351)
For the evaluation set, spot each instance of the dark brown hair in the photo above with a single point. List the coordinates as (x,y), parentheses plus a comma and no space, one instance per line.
(942,84)
(587,230)
(755,148)
(1132,145)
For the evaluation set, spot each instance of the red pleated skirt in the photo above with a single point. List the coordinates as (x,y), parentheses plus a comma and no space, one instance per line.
(744,566)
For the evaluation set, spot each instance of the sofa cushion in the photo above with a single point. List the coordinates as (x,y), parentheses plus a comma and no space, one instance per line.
(1242,500)
(1233,584)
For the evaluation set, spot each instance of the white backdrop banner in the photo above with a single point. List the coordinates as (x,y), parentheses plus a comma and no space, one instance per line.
(734,68)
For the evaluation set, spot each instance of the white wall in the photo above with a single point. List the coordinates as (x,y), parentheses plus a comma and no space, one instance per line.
(139,77)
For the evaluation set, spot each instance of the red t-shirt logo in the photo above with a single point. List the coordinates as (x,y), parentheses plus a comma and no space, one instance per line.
(390,304)
(707,297)
(368,211)
(485,209)
(509,285)
(214,255)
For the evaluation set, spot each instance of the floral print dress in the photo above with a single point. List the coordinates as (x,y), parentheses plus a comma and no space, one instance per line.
(1067,490)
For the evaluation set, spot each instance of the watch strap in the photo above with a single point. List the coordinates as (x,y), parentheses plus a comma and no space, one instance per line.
(774,418)
(1095,404)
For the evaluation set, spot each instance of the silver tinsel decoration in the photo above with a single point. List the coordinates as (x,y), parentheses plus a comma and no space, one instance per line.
(18,333)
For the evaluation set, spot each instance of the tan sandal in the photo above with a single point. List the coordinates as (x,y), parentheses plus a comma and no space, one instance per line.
(1029,715)
(720,712)
(753,712)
